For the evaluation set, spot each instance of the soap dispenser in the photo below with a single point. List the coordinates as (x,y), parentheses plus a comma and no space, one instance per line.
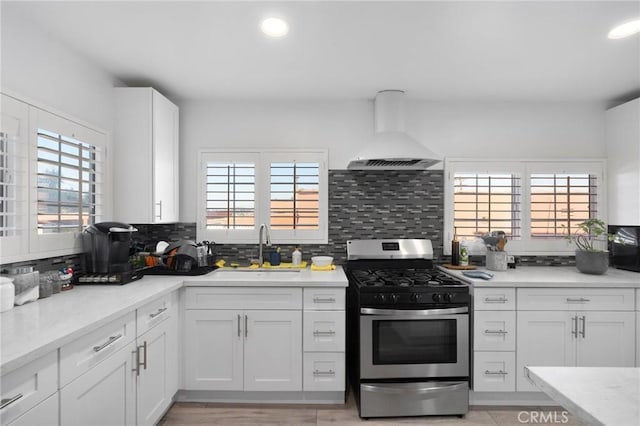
(296,257)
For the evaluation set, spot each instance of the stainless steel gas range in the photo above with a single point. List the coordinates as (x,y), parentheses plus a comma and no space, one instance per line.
(408,331)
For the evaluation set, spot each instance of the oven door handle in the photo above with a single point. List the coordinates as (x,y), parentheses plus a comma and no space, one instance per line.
(400,390)
(411,312)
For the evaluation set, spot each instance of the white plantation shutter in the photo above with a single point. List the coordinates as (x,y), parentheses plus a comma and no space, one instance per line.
(230,195)
(295,196)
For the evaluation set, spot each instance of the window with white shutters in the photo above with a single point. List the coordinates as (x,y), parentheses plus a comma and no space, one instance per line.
(286,190)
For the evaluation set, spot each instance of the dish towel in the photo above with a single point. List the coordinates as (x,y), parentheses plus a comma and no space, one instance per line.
(323,268)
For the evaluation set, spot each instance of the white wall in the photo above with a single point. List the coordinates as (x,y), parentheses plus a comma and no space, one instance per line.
(43,70)
(508,130)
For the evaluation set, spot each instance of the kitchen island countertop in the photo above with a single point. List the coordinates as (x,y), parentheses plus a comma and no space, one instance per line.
(551,276)
(596,395)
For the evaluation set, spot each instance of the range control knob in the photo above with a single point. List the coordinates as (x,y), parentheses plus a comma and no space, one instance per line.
(380,298)
(448,297)
(415,297)
(436,297)
(394,298)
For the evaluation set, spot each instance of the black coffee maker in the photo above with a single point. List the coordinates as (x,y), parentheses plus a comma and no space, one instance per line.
(107,248)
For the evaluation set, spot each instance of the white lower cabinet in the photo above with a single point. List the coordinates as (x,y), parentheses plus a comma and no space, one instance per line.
(239,349)
(494,371)
(580,338)
(104,395)
(156,360)
(324,371)
(26,390)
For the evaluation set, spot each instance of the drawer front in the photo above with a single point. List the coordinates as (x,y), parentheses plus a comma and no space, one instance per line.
(494,371)
(323,331)
(324,299)
(494,331)
(84,353)
(24,388)
(243,298)
(44,414)
(154,313)
(574,299)
(494,299)
(323,371)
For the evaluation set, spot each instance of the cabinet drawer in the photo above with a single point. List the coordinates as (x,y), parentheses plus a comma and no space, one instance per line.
(575,299)
(494,371)
(154,313)
(323,331)
(243,298)
(494,299)
(24,388)
(494,331)
(323,371)
(44,414)
(323,299)
(84,353)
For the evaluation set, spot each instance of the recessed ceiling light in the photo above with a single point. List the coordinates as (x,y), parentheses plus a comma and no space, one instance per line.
(625,30)
(274,27)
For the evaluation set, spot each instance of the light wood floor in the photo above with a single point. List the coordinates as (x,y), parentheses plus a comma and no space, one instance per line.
(194,413)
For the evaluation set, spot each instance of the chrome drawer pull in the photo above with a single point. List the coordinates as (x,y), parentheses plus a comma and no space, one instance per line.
(495,373)
(160,310)
(324,373)
(321,300)
(323,333)
(496,332)
(496,300)
(580,300)
(8,401)
(107,343)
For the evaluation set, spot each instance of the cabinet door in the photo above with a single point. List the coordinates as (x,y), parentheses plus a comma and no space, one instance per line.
(273,351)
(151,374)
(543,339)
(213,353)
(606,339)
(165,159)
(105,395)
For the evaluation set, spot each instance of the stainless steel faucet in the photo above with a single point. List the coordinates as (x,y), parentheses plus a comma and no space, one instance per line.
(267,242)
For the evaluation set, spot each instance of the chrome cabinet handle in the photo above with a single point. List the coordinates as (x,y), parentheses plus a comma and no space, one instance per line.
(144,360)
(384,388)
(323,300)
(158,312)
(323,333)
(159,215)
(239,330)
(144,363)
(496,299)
(496,332)
(574,326)
(577,300)
(8,401)
(107,343)
(495,373)
(246,328)
(583,320)
(324,373)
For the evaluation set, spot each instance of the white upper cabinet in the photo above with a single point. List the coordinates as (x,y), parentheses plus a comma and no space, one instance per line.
(623,155)
(146,157)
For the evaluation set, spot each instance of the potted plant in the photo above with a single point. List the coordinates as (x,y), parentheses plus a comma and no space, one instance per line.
(591,240)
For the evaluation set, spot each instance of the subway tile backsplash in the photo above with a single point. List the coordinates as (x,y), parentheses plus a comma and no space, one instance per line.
(362,204)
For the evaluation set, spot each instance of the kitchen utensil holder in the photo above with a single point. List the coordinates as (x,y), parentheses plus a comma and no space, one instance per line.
(497,260)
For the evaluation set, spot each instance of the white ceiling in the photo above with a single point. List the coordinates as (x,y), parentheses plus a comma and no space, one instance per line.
(451,50)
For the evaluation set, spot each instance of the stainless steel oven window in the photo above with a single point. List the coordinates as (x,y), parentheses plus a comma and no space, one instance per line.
(412,344)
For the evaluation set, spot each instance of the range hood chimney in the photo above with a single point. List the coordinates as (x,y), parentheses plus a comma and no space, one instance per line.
(392,148)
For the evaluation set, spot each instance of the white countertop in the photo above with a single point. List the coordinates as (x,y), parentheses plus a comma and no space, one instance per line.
(32,330)
(271,278)
(597,395)
(551,276)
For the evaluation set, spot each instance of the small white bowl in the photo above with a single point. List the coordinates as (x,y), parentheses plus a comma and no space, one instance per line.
(321,261)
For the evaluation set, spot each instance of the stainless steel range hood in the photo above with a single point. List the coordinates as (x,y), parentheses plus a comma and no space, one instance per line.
(392,148)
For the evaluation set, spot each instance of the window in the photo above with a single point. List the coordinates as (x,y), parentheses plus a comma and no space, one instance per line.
(66,183)
(536,203)
(286,190)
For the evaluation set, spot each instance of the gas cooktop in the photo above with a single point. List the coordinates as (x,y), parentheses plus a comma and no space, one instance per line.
(403,278)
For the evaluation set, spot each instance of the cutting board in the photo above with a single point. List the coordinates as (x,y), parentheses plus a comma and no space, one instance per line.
(459,267)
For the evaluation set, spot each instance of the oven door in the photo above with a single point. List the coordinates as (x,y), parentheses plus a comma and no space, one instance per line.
(399,344)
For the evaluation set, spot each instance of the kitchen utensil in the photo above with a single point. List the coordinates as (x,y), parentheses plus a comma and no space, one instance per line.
(321,261)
